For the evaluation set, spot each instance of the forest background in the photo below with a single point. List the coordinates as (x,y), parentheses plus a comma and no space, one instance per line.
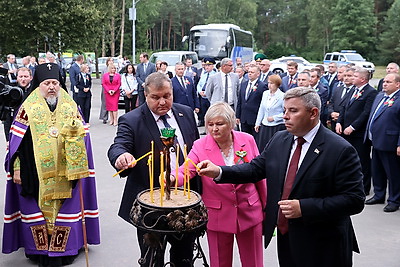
(307,28)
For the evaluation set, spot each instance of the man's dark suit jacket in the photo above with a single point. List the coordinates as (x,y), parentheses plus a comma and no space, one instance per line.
(336,102)
(185,96)
(247,110)
(329,187)
(136,129)
(285,80)
(386,125)
(356,112)
(141,75)
(74,70)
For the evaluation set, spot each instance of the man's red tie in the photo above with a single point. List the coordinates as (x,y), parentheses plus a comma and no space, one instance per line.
(291,175)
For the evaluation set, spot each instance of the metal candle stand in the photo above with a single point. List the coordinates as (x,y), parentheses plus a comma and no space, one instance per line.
(160,222)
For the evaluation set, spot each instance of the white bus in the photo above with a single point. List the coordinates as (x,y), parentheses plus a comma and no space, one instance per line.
(221,40)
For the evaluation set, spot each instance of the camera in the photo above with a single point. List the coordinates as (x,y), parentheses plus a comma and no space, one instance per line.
(10,96)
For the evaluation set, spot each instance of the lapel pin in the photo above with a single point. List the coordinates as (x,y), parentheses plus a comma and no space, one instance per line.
(316,151)
(180,114)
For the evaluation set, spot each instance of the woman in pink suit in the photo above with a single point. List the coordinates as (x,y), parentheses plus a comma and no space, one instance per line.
(233,210)
(111,82)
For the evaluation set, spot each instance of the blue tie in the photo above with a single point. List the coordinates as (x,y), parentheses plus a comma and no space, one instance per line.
(205,84)
(164,119)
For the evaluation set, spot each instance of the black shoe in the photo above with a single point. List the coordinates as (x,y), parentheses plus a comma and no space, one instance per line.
(373,201)
(104,121)
(390,208)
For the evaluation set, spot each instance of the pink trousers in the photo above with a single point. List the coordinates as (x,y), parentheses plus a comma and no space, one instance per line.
(249,244)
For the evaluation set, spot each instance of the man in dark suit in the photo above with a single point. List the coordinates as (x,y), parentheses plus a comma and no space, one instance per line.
(12,69)
(290,80)
(390,68)
(74,70)
(383,129)
(184,91)
(136,130)
(314,184)
(143,69)
(331,77)
(353,119)
(190,70)
(340,94)
(265,64)
(249,99)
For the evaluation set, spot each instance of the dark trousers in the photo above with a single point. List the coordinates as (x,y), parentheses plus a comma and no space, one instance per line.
(130,103)
(103,111)
(85,103)
(364,152)
(204,105)
(386,167)
(248,128)
(181,252)
(284,251)
(141,97)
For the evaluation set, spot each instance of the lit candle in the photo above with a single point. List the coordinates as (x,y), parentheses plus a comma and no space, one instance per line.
(185,177)
(149,163)
(188,178)
(152,173)
(177,169)
(162,177)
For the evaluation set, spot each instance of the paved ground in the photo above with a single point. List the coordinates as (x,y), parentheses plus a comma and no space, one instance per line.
(378,233)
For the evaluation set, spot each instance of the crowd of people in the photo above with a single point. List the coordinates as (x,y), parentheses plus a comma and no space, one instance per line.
(311,134)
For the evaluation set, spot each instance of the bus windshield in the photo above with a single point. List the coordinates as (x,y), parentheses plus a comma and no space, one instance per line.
(209,43)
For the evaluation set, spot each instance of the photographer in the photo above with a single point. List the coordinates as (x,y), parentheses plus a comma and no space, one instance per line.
(24,78)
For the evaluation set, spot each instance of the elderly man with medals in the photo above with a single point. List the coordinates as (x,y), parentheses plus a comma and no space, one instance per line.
(51,204)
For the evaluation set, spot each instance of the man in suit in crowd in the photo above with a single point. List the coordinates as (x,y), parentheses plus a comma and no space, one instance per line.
(340,94)
(265,72)
(331,77)
(224,86)
(12,69)
(136,130)
(314,184)
(24,78)
(353,119)
(390,68)
(143,69)
(208,66)
(322,90)
(249,100)
(290,80)
(184,91)
(190,70)
(383,129)
(74,70)
(240,72)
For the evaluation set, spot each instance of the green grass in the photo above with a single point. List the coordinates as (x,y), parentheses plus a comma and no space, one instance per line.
(380,72)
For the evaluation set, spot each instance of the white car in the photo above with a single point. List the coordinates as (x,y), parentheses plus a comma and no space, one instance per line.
(345,57)
(172,57)
(279,65)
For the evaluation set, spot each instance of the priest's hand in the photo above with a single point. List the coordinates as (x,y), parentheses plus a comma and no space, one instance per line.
(125,161)
(207,168)
(17,177)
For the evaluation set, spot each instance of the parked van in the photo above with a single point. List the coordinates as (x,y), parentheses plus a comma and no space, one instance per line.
(345,57)
(172,57)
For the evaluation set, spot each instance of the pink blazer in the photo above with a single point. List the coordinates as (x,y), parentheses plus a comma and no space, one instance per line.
(231,208)
(115,85)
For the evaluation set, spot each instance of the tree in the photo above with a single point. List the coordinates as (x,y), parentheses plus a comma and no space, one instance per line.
(390,38)
(353,26)
(239,12)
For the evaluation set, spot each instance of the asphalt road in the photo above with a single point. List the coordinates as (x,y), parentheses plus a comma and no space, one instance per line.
(378,233)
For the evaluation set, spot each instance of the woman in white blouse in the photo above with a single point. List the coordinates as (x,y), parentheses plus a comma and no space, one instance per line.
(270,114)
(129,88)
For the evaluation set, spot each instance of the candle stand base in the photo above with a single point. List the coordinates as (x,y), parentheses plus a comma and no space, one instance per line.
(172,220)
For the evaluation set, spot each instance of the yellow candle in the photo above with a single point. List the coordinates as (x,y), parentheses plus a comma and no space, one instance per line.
(185,179)
(177,169)
(152,172)
(162,177)
(149,163)
(188,179)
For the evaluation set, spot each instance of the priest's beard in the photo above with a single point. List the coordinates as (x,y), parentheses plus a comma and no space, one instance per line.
(52,101)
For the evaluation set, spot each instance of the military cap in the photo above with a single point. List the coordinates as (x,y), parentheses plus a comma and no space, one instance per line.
(259,57)
(209,61)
